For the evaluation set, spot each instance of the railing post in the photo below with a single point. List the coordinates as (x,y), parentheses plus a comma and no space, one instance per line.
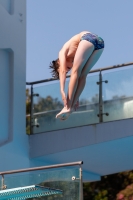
(100,98)
(2,183)
(32,124)
(31,111)
(81,183)
(100,115)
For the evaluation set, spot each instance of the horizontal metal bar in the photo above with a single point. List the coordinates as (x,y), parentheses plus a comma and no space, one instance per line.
(43,167)
(92,71)
(112,67)
(41,81)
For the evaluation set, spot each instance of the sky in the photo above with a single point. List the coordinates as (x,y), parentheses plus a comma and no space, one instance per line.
(50,23)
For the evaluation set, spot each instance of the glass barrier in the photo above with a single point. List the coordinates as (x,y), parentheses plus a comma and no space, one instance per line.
(59,179)
(49,103)
(118,94)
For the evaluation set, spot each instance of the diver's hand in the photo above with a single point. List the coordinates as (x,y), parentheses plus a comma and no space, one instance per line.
(64,98)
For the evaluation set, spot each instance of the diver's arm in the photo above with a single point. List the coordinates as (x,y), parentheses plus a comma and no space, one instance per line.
(62,74)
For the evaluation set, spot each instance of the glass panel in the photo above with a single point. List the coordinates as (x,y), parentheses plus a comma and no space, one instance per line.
(49,103)
(57,179)
(118,94)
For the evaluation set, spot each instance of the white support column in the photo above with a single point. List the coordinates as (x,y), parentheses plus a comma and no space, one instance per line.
(13,139)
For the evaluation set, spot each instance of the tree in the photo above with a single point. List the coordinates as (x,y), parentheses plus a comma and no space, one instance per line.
(110,187)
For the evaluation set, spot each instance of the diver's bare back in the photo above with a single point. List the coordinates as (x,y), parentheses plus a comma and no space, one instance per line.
(71,45)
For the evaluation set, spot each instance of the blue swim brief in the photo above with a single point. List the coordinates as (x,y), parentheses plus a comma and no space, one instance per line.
(97,41)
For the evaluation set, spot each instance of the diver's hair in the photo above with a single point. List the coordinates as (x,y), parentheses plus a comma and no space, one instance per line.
(54,66)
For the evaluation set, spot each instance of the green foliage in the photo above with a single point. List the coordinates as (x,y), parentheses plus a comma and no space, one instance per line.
(110,187)
(47,104)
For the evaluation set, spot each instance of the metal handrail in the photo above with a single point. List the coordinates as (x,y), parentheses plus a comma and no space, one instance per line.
(92,71)
(42,168)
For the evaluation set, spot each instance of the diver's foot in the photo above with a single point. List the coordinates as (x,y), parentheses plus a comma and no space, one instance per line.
(64,113)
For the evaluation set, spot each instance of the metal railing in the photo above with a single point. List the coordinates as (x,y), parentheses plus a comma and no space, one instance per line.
(79,163)
(41,168)
(99,83)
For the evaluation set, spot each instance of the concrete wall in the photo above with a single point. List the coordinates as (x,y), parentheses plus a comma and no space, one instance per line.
(104,148)
(78,137)
(13,140)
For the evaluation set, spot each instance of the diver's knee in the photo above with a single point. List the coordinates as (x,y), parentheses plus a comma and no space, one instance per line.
(76,72)
(82,79)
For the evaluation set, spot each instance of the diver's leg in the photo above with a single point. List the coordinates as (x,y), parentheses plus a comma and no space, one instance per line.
(64,114)
(82,79)
(84,51)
